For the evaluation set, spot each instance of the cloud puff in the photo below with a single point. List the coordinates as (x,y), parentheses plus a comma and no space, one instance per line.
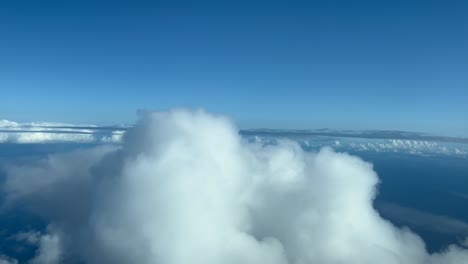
(50,250)
(184,187)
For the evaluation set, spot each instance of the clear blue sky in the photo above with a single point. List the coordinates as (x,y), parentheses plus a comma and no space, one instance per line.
(281,64)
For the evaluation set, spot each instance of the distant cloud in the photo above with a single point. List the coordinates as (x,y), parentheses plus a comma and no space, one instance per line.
(413,147)
(185,188)
(418,147)
(42,132)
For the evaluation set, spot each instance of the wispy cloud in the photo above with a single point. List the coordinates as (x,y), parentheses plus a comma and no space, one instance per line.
(431,222)
(460,195)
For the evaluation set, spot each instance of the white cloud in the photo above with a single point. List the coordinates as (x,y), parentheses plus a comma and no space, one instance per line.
(40,137)
(186,188)
(45,132)
(413,147)
(50,251)
(7,124)
(42,132)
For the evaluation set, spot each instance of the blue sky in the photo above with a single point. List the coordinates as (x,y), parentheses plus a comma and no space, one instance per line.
(280,64)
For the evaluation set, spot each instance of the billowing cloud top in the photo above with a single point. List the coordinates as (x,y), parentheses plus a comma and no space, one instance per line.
(185,188)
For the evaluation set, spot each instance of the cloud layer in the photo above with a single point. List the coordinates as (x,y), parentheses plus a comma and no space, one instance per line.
(184,187)
(405,146)
(359,141)
(43,132)
(374,141)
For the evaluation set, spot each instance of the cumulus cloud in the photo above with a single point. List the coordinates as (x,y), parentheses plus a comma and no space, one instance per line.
(49,251)
(184,187)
